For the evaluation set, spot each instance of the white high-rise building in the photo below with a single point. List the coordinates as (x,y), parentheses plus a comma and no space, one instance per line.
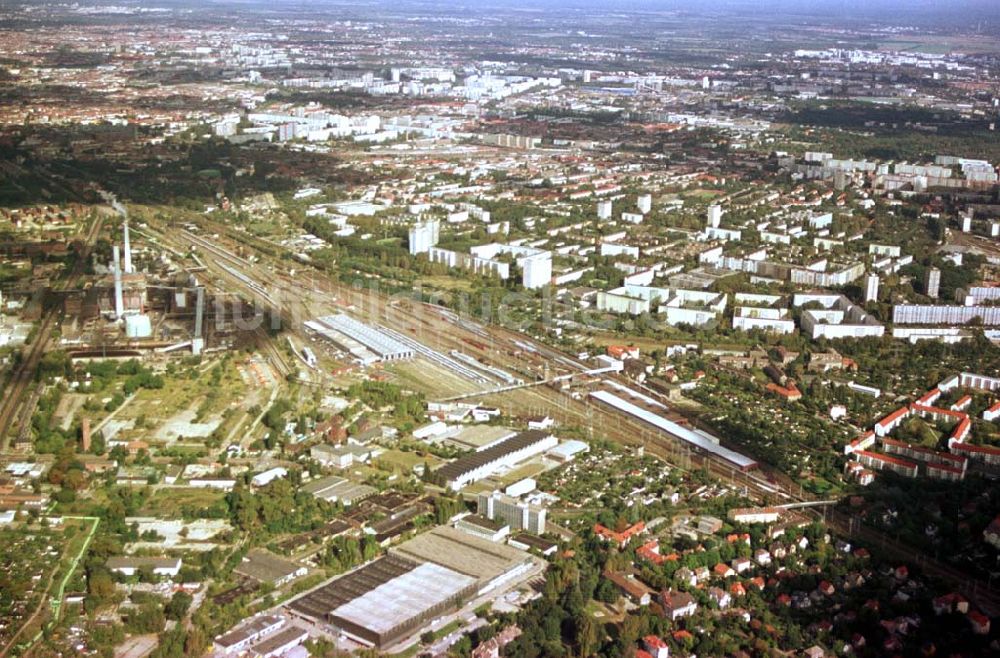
(517,513)
(536,270)
(604,210)
(967,223)
(714,216)
(933,282)
(645,203)
(424,235)
(871,288)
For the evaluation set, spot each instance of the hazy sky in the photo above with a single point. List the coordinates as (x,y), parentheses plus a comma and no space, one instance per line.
(898,8)
(898,12)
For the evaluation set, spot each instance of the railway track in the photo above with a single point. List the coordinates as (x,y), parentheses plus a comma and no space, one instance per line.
(18,385)
(444,331)
(518,353)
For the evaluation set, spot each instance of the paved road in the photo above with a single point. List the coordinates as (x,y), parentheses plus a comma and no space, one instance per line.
(137,647)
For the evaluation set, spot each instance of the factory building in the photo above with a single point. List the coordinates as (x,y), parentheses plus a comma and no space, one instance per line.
(386,600)
(365,343)
(491,565)
(394,597)
(238,640)
(482,464)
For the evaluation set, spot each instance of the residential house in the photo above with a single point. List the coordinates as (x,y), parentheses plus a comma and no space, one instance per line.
(630,587)
(655,646)
(677,604)
(980,623)
(621,538)
(762,557)
(685,576)
(952,602)
(720,596)
(741,564)
(492,647)
(723,570)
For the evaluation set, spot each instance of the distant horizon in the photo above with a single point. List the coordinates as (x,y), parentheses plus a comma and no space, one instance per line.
(846,8)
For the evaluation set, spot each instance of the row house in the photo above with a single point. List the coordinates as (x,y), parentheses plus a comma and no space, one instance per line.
(886,462)
(620,538)
(857,472)
(986,454)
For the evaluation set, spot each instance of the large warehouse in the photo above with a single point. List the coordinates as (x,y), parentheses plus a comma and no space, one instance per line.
(506,453)
(386,600)
(492,565)
(362,341)
(433,574)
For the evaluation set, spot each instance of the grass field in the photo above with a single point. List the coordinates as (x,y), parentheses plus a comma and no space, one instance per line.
(170,502)
(528,470)
(431,380)
(940,45)
(446,283)
(405,461)
(703,195)
(190,390)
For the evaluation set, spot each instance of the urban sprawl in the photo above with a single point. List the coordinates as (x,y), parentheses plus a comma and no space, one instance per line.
(414,330)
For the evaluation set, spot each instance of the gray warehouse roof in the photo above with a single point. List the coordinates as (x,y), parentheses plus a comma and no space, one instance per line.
(461,552)
(404,597)
(470,462)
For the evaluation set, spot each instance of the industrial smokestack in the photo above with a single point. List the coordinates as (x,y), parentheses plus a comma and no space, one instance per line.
(119,300)
(197,342)
(199,312)
(128,250)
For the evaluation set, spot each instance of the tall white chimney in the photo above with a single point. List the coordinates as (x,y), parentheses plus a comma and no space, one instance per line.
(199,313)
(128,250)
(119,300)
(197,342)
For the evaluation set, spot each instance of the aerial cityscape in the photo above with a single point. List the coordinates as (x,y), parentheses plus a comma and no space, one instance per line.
(572,329)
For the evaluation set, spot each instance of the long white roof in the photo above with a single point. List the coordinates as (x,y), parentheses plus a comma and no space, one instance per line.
(404,597)
(696,438)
